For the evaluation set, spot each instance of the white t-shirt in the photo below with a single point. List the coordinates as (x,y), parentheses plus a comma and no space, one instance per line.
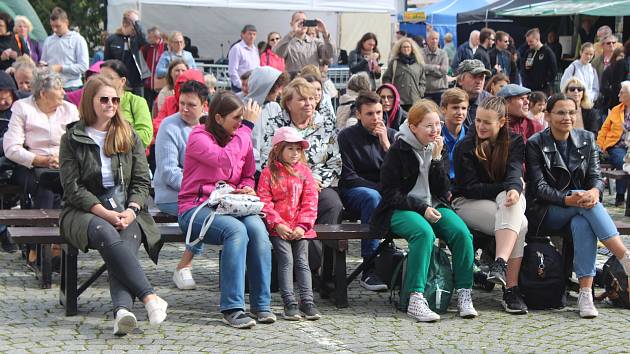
(106,162)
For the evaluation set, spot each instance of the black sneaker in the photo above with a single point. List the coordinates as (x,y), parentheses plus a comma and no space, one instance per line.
(291,312)
(310,311)
(497,272)
(372,282)
(620,199)
(7,243)
(513,301)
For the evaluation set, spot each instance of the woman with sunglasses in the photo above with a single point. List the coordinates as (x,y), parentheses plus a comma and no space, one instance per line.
(268,57)
(583,70)
(612,137)
(564,183)
(586,117)
(106,181)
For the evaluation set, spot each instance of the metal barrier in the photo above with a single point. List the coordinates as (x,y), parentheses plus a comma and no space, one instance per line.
(339,75)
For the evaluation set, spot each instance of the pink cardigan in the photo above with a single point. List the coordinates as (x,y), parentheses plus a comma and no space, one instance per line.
(31,132)
(207,163)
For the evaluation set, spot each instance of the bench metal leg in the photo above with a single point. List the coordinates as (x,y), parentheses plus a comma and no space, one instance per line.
(341,286)
(44,253)
(91,279)
(369,261)
(68,287)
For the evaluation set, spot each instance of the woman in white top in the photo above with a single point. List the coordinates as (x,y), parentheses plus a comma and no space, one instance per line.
(583,70)
(35,130)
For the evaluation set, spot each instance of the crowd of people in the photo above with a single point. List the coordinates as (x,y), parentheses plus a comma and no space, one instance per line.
(439,142)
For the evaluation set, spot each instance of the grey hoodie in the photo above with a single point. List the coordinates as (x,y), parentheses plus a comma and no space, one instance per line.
(423,153)
(260,83)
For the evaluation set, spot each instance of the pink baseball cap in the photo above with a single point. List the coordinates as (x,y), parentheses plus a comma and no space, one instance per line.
(290,135)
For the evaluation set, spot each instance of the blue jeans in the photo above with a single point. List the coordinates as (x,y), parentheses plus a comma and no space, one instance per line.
(617,155)
(587,226)
(365,200)
(245,244)
(171,209)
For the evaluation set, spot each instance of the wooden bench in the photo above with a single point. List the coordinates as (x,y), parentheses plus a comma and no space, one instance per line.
(334,237)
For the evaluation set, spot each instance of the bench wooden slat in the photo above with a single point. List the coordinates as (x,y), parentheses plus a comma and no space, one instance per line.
(615,174)
(50,217)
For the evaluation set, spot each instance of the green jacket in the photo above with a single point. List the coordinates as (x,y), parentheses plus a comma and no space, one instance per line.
(409,80)
(80,171)
(136,111)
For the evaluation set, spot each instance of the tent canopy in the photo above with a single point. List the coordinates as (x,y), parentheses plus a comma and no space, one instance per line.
(488,13)
(570,7)
(304,5)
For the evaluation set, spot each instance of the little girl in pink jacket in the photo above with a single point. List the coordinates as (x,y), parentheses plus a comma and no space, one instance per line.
(289,192)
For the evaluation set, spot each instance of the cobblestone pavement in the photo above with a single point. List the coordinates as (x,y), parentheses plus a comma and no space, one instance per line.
(31,320)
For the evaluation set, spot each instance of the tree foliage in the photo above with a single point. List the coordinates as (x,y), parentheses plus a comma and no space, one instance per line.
(86,16)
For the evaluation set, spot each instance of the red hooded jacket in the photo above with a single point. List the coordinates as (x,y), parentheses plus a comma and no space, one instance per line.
(171,104)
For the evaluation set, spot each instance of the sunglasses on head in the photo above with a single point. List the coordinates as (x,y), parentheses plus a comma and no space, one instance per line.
(575,88)
(113,100)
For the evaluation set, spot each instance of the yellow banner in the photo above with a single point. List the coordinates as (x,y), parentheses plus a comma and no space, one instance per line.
(416,16)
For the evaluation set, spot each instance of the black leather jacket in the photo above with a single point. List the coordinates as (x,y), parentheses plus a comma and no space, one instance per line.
(549,176)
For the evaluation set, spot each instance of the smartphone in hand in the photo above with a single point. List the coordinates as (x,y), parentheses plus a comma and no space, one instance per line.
(310,23)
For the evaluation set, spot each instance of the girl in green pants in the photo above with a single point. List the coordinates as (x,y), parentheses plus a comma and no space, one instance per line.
(415,185)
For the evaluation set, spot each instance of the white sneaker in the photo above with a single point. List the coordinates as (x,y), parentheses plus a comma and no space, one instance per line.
(183,279)
(465,304)
(124,322)
(419,309)
(156,309)
(586,305)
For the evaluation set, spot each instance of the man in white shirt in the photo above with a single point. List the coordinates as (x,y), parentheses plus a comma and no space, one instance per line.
(65,51)
(243,57)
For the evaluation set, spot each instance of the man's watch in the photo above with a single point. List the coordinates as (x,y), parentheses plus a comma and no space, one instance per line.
(135,209)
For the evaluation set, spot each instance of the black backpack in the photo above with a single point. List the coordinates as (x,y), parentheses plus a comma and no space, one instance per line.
(615,281)
(542,279)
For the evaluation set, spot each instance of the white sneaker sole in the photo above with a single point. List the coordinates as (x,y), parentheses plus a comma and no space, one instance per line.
(468,315)
(125,325)
(381,287)
(181,286)
(424,319)
(515,312)
(249,324)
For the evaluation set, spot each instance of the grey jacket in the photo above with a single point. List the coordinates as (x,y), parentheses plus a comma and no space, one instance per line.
(435,69)
(409,80)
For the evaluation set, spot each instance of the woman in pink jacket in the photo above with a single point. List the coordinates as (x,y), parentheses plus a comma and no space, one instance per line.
(290,195)
(268,57)
(221,150)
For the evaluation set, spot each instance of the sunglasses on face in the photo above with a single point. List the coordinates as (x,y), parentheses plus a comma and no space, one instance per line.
(274,39)
(575,88)
(114,100)
(610,43)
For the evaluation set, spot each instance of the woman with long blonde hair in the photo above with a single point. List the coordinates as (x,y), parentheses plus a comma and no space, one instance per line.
(406,72)
(105,176)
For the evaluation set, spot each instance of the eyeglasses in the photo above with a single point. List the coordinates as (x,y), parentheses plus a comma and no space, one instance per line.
(565,113)
(575,88)
(387,97)
(114,100)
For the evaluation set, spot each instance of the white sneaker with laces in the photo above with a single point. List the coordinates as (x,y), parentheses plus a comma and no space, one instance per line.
(419,309)
(586,305)
(465,304)
(124,322)
(183,279)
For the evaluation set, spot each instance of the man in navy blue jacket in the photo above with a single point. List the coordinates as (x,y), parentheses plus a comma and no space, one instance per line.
(363,148)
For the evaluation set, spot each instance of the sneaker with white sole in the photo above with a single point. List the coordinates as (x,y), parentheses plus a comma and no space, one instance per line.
(419,309)
(371,281)
(156,309)
(586,305)
(265,316)
(183,279)
(124,322)
(465,304)
(238,319)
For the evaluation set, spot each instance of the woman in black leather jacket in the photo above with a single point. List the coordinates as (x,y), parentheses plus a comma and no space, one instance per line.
(563,188)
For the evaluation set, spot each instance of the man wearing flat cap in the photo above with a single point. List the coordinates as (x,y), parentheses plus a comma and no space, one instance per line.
(243,57)
(517,98)
(471,77)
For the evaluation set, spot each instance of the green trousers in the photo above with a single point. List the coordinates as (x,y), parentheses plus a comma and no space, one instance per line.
(420,234)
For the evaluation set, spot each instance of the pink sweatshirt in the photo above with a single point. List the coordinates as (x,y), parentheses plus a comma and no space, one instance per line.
(207,163)
(31,132)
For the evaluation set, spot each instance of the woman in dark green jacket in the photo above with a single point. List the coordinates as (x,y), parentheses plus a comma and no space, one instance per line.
(106,182)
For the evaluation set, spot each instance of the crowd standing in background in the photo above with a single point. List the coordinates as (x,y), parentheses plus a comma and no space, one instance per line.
(428,143)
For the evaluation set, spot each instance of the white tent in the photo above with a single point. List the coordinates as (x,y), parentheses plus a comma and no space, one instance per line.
(213,25)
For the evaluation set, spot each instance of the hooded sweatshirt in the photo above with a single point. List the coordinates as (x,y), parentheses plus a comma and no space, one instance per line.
(171,105)
(395,117)
(260,83)
(423,153)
